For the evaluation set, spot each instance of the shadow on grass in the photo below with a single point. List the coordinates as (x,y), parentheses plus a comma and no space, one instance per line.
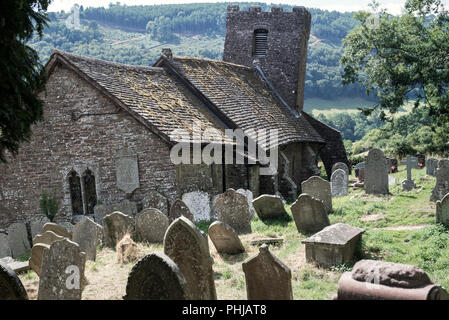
(234,258)
(407,196)
(281,221)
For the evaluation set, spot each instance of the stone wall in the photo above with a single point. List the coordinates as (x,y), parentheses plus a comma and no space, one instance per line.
(285,61)
(69,139)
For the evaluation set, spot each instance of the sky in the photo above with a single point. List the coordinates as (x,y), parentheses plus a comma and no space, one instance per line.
(393,6)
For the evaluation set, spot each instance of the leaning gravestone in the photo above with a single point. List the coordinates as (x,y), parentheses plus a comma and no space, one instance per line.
(339,183)
(269,206)
(320,189)
(309,214)
(18,240)
(267,278)
(442,181)
(198,203)
(151,225)
(56,228)
(11,288)
(179,208)
(225,239)
(85,234)
(157,201)
(4,246)
(37,224)
(442,214)
(342,166)
(116,225)
(156,277)
(249,195)
(62,271)
(376,179)
(232,209)
(185,244)
(41,241)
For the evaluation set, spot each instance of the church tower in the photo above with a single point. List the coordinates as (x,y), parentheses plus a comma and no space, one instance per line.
(275,41)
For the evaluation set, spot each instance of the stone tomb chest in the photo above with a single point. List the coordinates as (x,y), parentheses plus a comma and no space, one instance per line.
(333,245)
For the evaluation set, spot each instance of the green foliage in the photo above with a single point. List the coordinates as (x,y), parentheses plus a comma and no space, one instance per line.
(49,204)
(22,75)
(402,57)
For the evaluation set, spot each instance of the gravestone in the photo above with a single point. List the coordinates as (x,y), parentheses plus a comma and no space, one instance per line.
(100,211)
(116,225)
(68,226)
(442,181)
(358,166)
(431,166)
(269,206)
(334,245)
(151,225)
(442,211)
(62,271)
(85,234)
(179,208)
(309,214)
(339,183)
(37,223)
(320,189)
(127,170)
(361,176)
(40,243)
(185,244)
(11,288)
(4,246)
(18,240)
(232,209)
(56,228)
(225,239)
(156,277)
(249,195)
(198,203)
(408,184)
(342,166)
(155,200)
(125,206)
(267,278)
(376,179)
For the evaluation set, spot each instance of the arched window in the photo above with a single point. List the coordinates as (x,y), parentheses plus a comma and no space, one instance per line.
(75,193)
(260,43)
(90,192)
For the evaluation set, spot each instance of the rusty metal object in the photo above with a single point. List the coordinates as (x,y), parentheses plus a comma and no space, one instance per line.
(350,289)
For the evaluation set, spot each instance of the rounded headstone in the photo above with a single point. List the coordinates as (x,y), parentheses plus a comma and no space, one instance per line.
(40,242)
(339,183)
(232,209)
(269,206)
(156,277)
(342,166)
(376,174)
(309,214)
(155,200)
(11,288)
(151,225)
(116,225)
(320,189)
(225,239)
(56,228)
(85,234)
(179,208)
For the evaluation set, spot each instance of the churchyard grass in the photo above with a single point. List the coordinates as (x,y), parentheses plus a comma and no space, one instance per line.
(399,228)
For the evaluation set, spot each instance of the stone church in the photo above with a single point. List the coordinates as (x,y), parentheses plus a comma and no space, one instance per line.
(106,131)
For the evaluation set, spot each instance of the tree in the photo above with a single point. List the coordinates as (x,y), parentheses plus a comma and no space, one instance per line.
(402,57)
(22,74)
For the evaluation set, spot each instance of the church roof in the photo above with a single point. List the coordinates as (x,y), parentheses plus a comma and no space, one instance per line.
(177,92)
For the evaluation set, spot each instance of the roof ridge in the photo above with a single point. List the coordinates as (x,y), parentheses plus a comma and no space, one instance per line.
(111,63)
(215,61)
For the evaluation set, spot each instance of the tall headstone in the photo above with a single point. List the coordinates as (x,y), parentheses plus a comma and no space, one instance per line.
(309,214)
(116,225)
(225,239)
(320,189)
(179,208)
(11,288)
(62,271)
(267,278)
(86,234)
(18,240)
(269,206)
(186,245)
(198,203)
(442,181)
(157,201)
(151,225)
(376,179)
(37,223)
(41,242)
(342,166)
(408,184)
(232,209)
(156,277)
(442,214)
(339,183)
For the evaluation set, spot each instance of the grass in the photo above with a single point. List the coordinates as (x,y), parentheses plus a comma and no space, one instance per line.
(426,247)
